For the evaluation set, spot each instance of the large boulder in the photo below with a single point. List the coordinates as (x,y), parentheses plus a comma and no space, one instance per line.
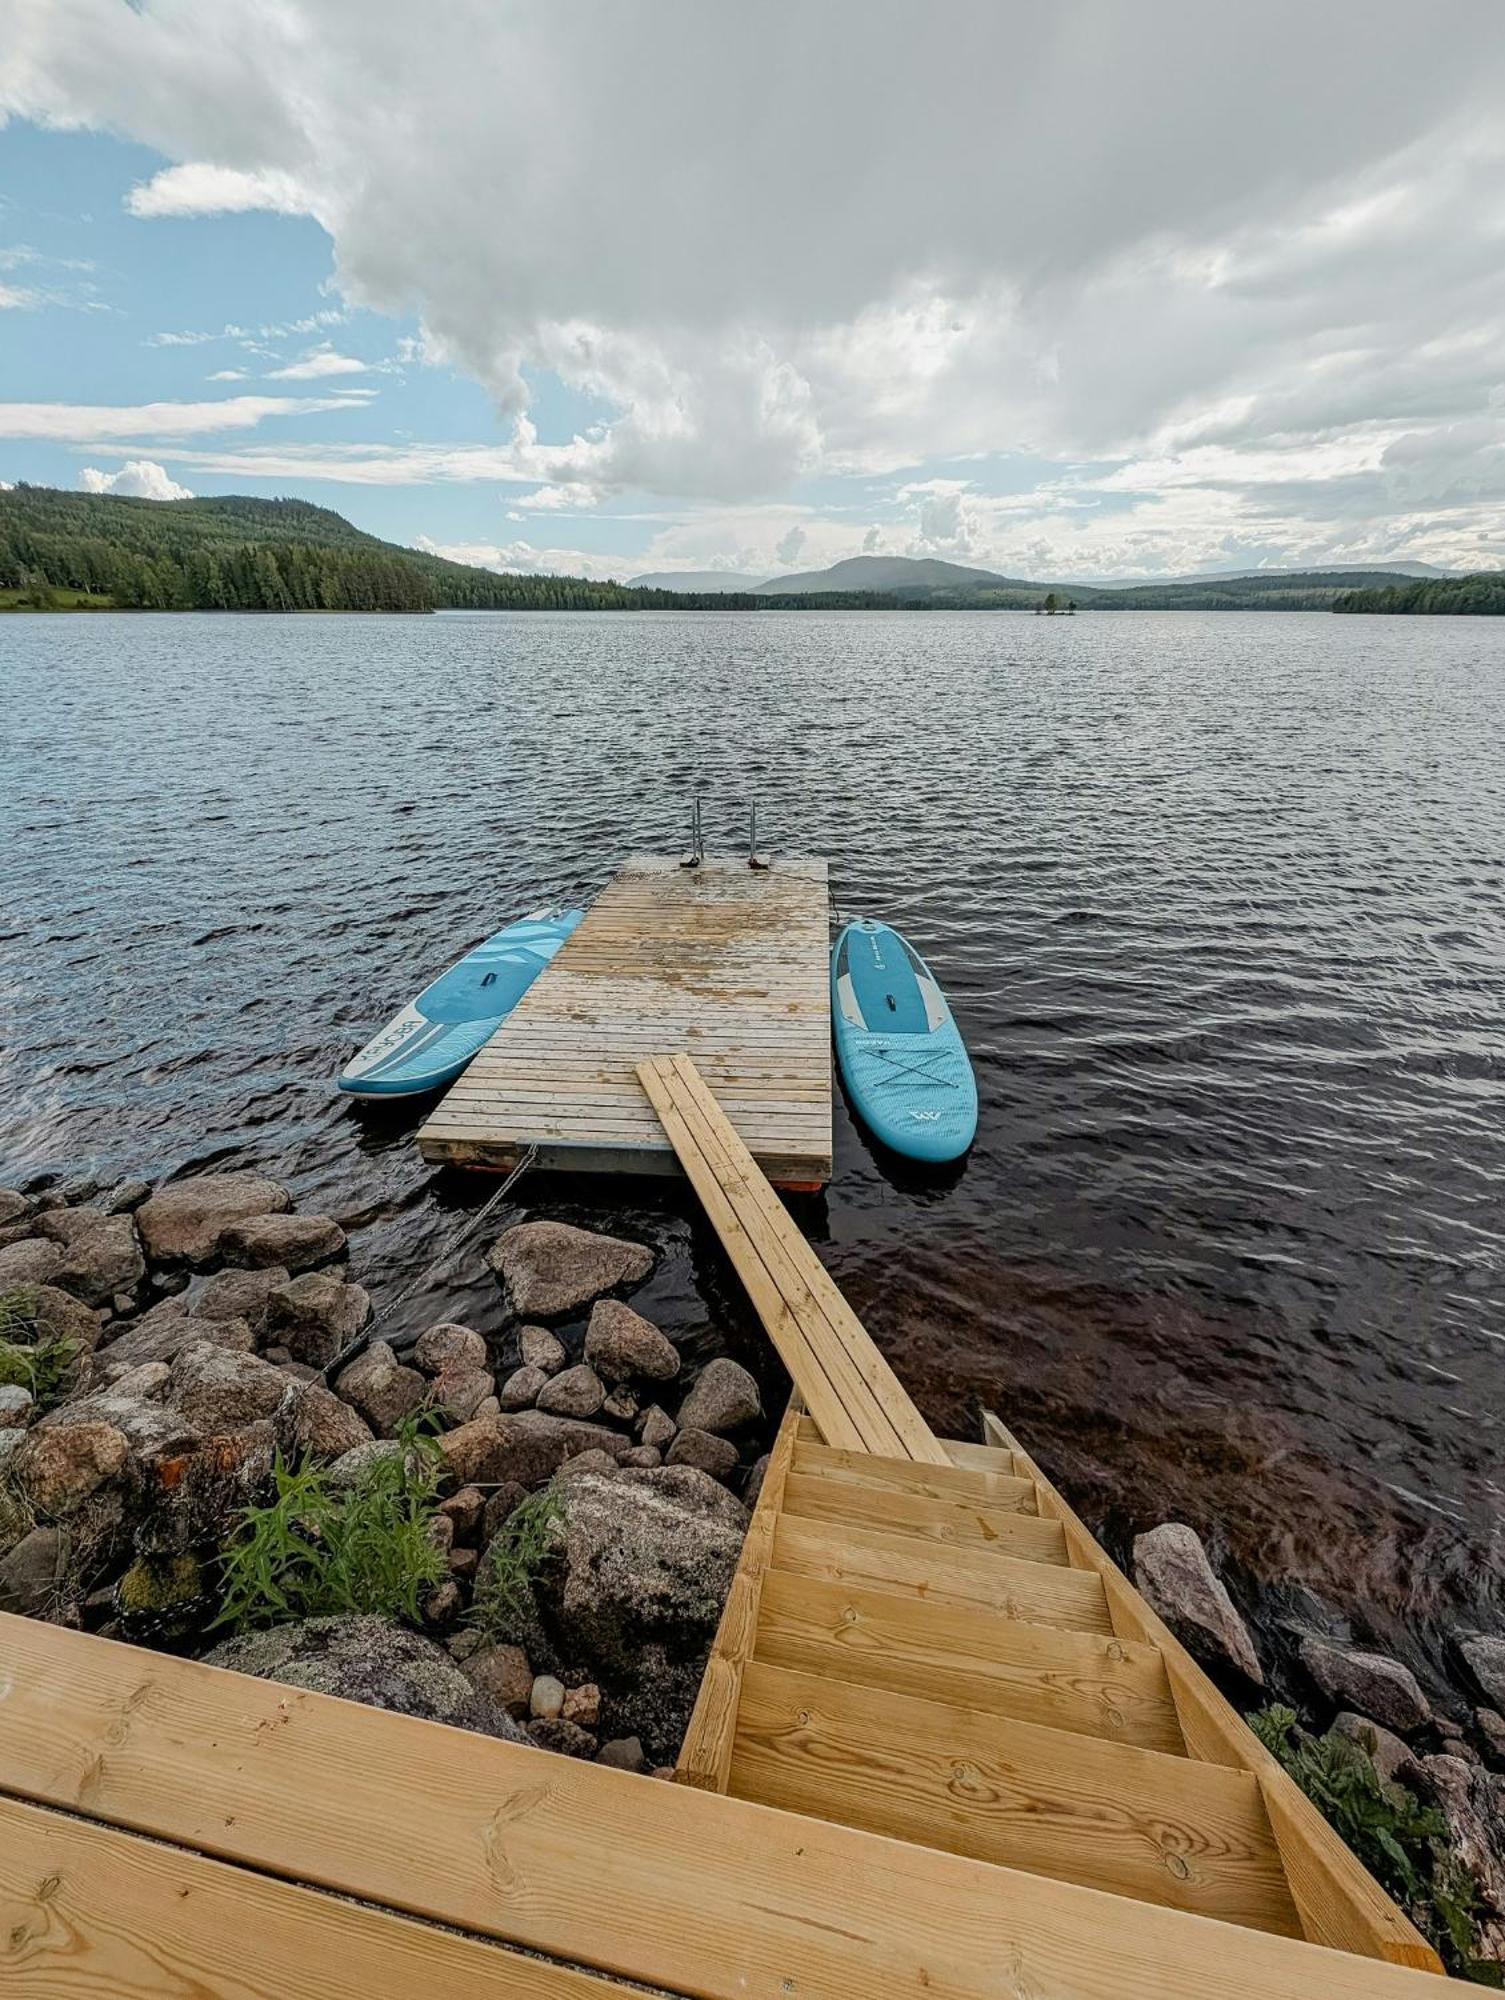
(523,1449)
(101,1253)
(31,1261)
(240,1295)
(14,1206)
(381,1388)
(220,1390)
(1484,1656)
(162,1334)
(622,1346)
(293,1242)
(315,1315)
(58,1315)
(153,1429)
(1172,1569)
(1368,1682)
(315,1420)
(724,1398)
(369,1660)
(58,1470)
(522,1388)
(183,1222)
(550,1270)
(33,1574)
(1472,1801)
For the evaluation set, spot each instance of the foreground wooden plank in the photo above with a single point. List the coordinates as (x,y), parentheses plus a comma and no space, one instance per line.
(87,1913)
(1156,1828)
(1339,1901)
(677,1887)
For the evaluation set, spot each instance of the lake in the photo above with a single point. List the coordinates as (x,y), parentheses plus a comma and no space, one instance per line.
(1217,898)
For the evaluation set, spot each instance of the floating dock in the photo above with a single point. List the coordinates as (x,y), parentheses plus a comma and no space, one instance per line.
(722,960)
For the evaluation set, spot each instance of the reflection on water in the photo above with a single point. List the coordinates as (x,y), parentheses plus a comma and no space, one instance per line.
(1217,899)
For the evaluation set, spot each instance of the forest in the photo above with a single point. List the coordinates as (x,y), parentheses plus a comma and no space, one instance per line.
(1466,595)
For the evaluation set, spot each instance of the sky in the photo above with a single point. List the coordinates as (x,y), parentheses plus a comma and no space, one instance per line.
(1067,290)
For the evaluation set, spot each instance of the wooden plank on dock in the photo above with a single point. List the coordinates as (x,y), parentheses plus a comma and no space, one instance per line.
(854,1397)
(729,961)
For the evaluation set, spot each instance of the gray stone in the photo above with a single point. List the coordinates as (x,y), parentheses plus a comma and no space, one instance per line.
(540,1349)
(549,1270)
(58,1315)
(622,1405)
(623,1346)
(1172,1569)
(369,1660)
(16,1405)
(546,1700)
(220,1390)
(527,1448)
(521,1389)
(1368,1682)
(316,1315)
(449,1346)
(642,1458)
(1484,1656)
(1491,1726)
(383,1390)
(578,1392)
(723,1398)
(687,1486)
(352,1466)
(239,1295)
(33,1575)
(563,1737)
(503,1673)
(32,1261)
(656,1426)
(58,1470)
(704,1450)
(501,1504)
(457,1392)
(1395,1762)
(443,1605)
(464,1510)
(162,1335)
(315,1420)
(14,1206)
(153,1429)
(124,1197)
(184,1221)
(754,1486)
(80,1188)
(101,1256)
(586,1461)
(147,1381)
(624,1753)
(288,1242)
(1472,1801)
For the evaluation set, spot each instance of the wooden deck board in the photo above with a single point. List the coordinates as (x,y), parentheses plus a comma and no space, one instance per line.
(724,960)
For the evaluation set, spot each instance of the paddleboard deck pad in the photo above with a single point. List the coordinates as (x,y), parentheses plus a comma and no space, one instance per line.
(433,1039)
(900,1053)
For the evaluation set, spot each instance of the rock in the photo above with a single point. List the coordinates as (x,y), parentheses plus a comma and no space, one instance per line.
(1472,1801)
(642,1458)
(582,1705)
(577,1392)
(146,1382)
(563,1737)
(152,1429)
(240,1295)
(124,1197)
(10,1443)
(447,1346)
(503,1502)
(13,1232)
(527,1448)
(621,1345)
(689,1487)
(58,1315)
(162,1335)
(464,1511)
(521,1389)
(490,1407)
(622,1405)
(378,1385)
(586,1461)
(656,1426)
(369,1660)
(33,1575)
(220,1390)
(100,1254)
(351,1466)
(503,1673)
(162,1597)
(540,1349)
(316,1315)
(623,1753)
(546,1698)
(80,1188)
(1484,1656)
(754,1485)
(183,1222)
(458,1392)
(14,1206)
(1172,1569)
(549,1269)
(443,1605)
(290,1242)
(1491,1726)
(724,1398)
(59,1470)
(463,1564)
(704,1450)
(315,1420)
(16,1405)
(32,1261)
(1368,1682)
(1395,1762)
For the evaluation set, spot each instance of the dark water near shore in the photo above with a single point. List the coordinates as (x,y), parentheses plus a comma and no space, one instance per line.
(1219,899)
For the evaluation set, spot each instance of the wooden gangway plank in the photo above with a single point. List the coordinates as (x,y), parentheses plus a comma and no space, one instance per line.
(726,960)
(853,1396)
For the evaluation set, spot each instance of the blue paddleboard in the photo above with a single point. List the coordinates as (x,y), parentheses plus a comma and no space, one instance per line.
(901,1055)
(435,1036)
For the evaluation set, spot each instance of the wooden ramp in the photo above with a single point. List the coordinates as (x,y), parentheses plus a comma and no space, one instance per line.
(727,961)
(925,1643)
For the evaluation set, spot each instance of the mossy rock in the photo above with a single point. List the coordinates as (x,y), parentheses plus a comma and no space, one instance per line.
(162,1597)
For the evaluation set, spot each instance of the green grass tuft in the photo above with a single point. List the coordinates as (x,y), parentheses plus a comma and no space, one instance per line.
(30,1358)
(512,1562)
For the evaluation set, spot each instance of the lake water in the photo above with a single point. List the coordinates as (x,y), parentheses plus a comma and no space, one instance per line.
(1217,898)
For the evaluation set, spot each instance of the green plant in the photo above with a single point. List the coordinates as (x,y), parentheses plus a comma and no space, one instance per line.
(315,1550)
(30,1357)
(1402,1843)
(512,1562)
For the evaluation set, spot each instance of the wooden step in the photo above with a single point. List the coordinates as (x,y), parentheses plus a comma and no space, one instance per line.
(1106,1815)
(1040,1593)
(968,1658)
(940,1482)
(981,1457)
(962,1523)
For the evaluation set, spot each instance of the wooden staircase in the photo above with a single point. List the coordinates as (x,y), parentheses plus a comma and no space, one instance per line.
(924,1642)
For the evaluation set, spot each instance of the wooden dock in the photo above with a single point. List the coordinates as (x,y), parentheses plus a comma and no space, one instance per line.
(725,961)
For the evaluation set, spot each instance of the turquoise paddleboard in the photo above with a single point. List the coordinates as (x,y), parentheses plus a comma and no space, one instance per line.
(433,1039)
(901,1055)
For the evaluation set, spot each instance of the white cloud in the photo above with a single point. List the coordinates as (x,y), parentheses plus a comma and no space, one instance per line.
(228,375)
(317,363)
(140,479)
(90,423)
(18,298)
(788,546)
(199,188)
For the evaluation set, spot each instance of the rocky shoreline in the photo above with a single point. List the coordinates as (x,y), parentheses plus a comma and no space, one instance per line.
(166,1353)
(173,1356)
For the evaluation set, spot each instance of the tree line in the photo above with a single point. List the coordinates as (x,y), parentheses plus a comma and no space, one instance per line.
(1461,595)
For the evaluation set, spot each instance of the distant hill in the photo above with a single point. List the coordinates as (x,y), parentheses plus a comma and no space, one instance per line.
(1205,576)
(709,582)
(1469,596)
(101,551)
(881,573)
